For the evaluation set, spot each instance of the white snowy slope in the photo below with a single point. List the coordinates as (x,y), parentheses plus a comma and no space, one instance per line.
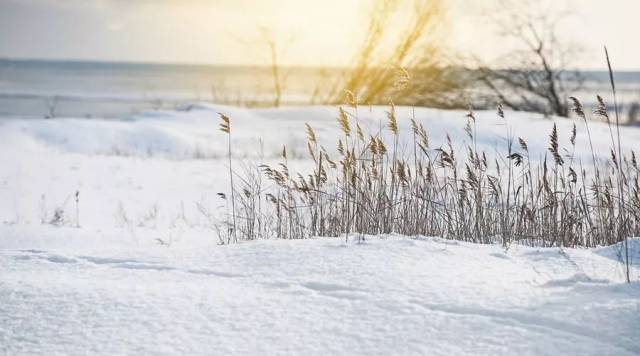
(102,283)
(77,293)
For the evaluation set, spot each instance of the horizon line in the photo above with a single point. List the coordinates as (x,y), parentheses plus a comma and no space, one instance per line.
(227,65)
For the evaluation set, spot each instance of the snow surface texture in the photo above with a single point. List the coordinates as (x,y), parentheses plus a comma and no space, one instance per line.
(143,274)
(83,293)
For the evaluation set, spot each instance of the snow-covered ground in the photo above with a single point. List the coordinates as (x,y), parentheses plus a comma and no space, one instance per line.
(70,292)
(135,268)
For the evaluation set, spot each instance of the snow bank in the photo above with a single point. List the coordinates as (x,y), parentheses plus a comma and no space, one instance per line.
(193,131)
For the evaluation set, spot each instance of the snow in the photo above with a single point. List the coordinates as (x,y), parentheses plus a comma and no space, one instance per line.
(77,292)
(192,132)
(101,283)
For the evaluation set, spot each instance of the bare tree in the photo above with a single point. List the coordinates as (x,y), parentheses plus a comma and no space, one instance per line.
(633,113)
(277,48)
(274,67)
(404,64)
(52,107)
(534,75)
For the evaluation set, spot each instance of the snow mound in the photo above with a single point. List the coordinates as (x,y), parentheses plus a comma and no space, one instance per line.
(617,252)
(192,131)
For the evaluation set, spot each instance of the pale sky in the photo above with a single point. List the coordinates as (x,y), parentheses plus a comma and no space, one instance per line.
(316,32)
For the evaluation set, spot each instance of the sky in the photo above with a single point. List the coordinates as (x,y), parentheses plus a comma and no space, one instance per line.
(308,32)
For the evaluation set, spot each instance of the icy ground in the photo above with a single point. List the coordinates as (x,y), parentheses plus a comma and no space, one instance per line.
(136,269)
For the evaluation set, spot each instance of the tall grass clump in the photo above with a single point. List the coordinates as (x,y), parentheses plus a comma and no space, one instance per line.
(225,126)
(374,187)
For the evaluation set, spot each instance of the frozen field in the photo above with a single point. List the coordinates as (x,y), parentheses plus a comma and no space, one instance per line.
(134,267)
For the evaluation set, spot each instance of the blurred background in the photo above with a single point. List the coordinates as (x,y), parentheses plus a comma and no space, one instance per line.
(114,58)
